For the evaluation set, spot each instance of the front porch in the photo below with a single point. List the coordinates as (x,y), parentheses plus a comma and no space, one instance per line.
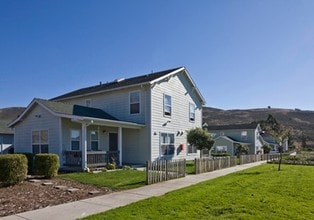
(94,158)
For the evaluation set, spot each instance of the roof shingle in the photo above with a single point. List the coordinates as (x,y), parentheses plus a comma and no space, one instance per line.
(116,84)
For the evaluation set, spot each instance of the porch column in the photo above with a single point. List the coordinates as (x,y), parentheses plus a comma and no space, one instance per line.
(120,145)
(84,146)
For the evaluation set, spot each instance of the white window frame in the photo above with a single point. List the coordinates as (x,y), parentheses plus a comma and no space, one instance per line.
(88,103)
(133,103)
(243,135)
(40,142)
(79,141)
(224,149)
(94,140)
(166,114)
(191,150)
(191,107)
(167,144)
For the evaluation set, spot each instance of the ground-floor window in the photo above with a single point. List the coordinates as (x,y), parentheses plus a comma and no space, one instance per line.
(94,140)
(221,149)
(40,141)
(75,139)
(191,149)
(166,144)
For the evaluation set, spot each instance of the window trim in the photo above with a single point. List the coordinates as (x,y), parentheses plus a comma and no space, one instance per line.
(88,103)
(91,140)
(190,119)
(164,105)
(192,147)
(167,144)
(139,102)
(39,143)
(71,148)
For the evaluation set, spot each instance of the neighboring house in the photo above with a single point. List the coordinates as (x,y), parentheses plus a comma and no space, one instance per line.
(274,146)
(227,137)
(131,120)
(6,142)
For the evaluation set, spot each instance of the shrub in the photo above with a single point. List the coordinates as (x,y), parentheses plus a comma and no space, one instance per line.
(220,154)
(46,165)
(13,168)
(110,166)
(30,161)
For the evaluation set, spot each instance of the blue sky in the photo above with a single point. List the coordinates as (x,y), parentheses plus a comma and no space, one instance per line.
(240,53)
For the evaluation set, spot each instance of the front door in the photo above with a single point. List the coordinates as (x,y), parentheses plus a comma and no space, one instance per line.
(113,142)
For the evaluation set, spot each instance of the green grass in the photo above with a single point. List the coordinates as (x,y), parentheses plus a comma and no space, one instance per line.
(257,193)
(190,167)
(120,179)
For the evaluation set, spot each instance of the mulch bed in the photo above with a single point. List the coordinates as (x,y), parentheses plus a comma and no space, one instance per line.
(28,196)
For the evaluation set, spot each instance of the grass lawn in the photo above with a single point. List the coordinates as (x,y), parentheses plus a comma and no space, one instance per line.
(120,179)
(257,193)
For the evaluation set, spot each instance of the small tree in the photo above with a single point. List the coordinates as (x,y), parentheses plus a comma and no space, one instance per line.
(266,148)
(200,138)
(242,149)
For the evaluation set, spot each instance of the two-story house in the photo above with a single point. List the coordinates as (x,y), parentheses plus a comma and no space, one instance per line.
(131,120)
(227,137)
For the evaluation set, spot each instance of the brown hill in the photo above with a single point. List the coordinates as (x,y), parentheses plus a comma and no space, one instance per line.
(301,122)
(6,116)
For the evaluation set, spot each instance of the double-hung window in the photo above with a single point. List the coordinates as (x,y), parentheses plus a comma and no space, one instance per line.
(75,139)
(166,144)
(244,135)
(40,141)
(191,149)
(192,112)
(167,105)
(134,102)
(94,140)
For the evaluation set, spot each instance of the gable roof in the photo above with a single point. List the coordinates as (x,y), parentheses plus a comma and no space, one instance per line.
(116,84)
(232,127)
(232,140)
(73,112)
(125,83)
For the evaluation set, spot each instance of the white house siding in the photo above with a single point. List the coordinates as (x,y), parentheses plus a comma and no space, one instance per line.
(116,103)
(180,90)
(46,121)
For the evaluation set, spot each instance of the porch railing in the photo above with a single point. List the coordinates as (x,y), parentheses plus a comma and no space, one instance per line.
(94,158)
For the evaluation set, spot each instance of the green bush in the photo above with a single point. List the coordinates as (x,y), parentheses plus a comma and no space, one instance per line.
(220,154)
(46,165)
(13,169)
(30,161)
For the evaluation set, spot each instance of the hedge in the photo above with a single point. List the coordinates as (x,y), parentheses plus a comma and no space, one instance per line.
(13,169)
(46,165)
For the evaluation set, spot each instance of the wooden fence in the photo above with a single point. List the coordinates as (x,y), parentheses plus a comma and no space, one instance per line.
(163,170)
(203,165)
(250,158)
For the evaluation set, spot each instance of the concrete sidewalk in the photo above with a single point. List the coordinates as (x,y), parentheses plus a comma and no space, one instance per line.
(83,208)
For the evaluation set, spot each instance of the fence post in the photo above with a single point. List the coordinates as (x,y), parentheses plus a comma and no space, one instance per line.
(147,172)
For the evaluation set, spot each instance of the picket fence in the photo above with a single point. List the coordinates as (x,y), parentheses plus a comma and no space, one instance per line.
(163,170)
(203,165)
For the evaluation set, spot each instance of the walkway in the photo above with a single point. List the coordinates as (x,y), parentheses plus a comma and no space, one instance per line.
(83,208)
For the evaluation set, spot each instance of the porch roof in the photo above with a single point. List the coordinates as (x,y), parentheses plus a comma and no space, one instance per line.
(77,113)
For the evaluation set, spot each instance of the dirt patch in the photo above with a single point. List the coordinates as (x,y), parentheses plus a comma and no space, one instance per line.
(28,196)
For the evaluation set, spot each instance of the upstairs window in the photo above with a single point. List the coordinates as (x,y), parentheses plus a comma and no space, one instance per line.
(192,112)
(94,140)
(167,105)
(244,135)
(75,140)
(88,103)
(40,141)
(134,102)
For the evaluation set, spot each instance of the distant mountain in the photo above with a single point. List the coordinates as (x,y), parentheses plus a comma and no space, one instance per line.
(301,122)
(6,116)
